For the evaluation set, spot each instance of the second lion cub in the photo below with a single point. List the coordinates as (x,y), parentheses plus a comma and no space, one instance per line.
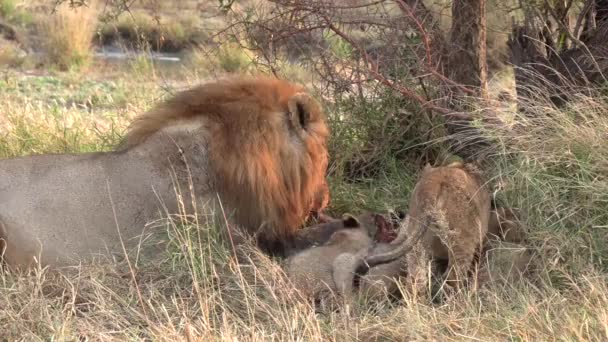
(327,270)
(448,219)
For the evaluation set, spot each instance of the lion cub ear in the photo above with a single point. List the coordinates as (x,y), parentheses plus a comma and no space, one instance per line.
(302,110)
(350,221)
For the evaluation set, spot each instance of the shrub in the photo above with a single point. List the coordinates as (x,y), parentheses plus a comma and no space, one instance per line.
(15,15)
(233,58)
(67,35)
(227,58)
(11,55)
(7,8)
(141,31)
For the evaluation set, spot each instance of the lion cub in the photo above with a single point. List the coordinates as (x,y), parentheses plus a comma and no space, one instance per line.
(503,257)
(382,281)
(504,263)
(327,270)
(447,219)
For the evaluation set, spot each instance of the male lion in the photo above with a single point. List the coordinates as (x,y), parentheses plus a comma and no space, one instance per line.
(447,219)
(256,144)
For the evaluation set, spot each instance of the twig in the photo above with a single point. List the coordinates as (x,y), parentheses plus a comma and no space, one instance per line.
(581,17)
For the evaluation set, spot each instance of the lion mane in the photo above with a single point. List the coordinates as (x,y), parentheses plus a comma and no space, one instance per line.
(267,148)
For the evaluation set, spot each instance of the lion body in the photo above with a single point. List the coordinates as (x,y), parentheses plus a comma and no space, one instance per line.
(257,145)
(57,208)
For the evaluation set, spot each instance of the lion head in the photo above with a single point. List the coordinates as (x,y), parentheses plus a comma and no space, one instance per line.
(267,148)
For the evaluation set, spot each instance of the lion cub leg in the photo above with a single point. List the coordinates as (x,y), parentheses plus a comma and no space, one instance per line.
(418,261)
(460,259)
(344,267)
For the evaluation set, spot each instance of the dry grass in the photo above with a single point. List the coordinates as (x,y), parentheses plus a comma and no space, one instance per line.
(67,34)
(198,293)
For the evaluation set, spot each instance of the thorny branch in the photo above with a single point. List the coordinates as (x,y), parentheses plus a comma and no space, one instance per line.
(373,71)
(291,18)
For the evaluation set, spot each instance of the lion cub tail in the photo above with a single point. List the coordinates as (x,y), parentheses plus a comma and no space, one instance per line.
(400,246)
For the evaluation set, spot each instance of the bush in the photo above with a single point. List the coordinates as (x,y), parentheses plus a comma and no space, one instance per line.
(227,58)
(7,8)
(67,35)
(14,14)
(11,55)
(141,31)
(371,133)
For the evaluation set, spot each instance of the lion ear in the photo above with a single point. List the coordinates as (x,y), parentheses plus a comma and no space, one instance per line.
(302,110)
(350,221)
